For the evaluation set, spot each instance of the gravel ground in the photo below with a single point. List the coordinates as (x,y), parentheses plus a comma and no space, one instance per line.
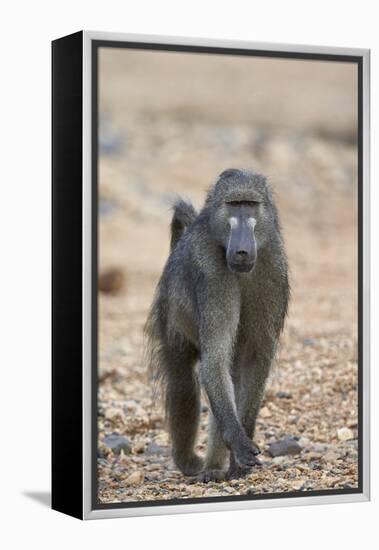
(311,397)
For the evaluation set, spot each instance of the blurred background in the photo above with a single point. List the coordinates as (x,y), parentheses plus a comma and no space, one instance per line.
(169,124)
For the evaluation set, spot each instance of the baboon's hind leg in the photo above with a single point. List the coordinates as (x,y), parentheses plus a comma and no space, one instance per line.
(183,407)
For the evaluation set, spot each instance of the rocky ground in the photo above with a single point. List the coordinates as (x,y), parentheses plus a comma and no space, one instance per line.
(307,427)
(311,398)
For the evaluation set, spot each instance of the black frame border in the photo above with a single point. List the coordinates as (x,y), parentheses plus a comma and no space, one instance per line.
(67,258)
(229,51)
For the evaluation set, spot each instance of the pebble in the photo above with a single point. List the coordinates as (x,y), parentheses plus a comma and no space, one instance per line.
(344,434)
(110,143)
(286,446)
(106,207)
(154,449)
(309,342)
(304,442)
(139,447)
(114,414)
(227,489)
(297,484)
(279,460)
(284,395)
(162,438)
(330,456)
(136,478)
(318,448)
(111,281)
(265,412)
(118,443)
(130,404)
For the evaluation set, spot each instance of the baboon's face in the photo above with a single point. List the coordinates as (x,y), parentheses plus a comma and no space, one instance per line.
(241,248)
(241,216)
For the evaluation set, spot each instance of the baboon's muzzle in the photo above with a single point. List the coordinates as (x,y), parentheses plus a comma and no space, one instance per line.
(241,253)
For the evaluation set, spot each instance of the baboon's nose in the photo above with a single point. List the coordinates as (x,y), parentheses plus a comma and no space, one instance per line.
(242,253)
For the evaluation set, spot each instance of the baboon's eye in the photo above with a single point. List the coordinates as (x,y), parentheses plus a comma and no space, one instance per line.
(243,203)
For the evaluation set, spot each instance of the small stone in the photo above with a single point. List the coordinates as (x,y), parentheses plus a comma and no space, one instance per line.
(110,142)
(286,446)
(279,460)
(111,281)
(318,447)
(106,206)
(195,491)
(114,414)
(309,342)
(136,478)
(140,412)
(303,467)
(265,412)
(304,442)
(344,434)
(139,447)
(312,456)
(211,493)
(284,395)
(154,449)
(330,456)
(117,443)
(155,420)
(162,438)
(131,405)
(297,484)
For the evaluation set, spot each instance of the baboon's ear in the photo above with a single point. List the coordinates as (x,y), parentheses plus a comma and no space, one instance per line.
(230,172)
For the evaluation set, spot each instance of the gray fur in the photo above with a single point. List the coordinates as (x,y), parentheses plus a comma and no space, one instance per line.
(220,304)
(184,215)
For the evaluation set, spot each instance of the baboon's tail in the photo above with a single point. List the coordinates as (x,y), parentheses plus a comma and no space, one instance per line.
(184,216)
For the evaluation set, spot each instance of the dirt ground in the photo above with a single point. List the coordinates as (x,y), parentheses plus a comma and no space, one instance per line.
(169,125)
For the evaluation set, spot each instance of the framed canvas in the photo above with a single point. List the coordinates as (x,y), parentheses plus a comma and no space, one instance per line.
(210,275)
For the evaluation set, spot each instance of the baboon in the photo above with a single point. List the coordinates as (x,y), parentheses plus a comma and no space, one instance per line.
(215,321)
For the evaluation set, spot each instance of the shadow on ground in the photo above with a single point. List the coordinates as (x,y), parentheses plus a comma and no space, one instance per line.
(42,497)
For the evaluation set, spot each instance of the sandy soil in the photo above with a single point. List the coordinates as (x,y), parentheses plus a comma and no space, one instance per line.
(166,140)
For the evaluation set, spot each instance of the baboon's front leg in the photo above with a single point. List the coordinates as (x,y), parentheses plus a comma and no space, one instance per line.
(217,453)
(253,373)
(219,387)
(218,328)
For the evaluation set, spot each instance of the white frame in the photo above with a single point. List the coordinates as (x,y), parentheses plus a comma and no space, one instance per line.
(88,512)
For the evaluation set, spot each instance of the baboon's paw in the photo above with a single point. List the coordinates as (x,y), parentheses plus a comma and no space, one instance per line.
(246,455)
(211,475)
(192,466)
(238,472)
